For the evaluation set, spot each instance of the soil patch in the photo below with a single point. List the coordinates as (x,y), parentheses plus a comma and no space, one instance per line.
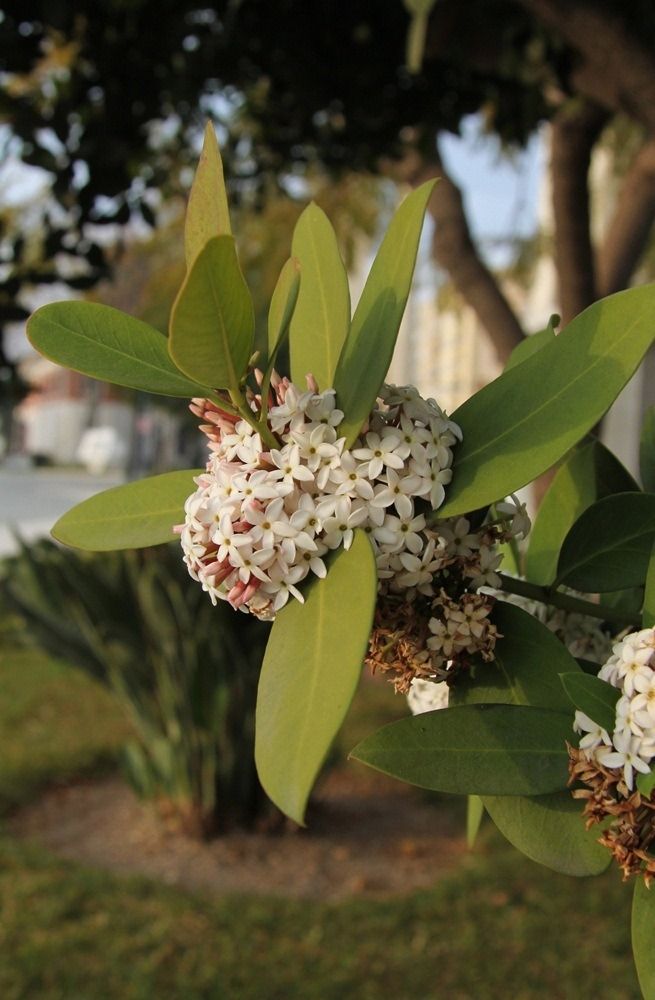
(367,836)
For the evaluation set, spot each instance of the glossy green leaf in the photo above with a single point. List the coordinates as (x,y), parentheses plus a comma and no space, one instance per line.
(207,213)
(212,322)
(528,661)
(587,474)
(283,303)
(474,817)
(128,517)
(646,783)
(108,344)
(311,668)
(643,932)
(608,548)
(647,451)
(321,319)
(648,610)
(530,345)
(528,418)
(475,750)
(594,697)
(367,352)
(550,829)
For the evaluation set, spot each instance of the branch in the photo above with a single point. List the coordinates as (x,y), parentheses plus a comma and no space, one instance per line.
(454,250)
(576,128)
(628,232)
(616,69)
(566,602)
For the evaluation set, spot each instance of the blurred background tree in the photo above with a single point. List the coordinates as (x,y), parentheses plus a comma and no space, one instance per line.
(109,97)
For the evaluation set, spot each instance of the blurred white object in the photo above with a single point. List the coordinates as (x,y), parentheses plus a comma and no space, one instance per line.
(99,449)
(427,696)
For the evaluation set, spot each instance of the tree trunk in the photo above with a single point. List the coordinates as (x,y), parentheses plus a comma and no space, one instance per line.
(575,130)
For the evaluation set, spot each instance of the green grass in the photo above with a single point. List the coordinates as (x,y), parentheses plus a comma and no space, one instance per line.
(499,927)
(55,723)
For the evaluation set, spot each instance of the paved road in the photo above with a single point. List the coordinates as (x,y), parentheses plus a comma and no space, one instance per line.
(32,500)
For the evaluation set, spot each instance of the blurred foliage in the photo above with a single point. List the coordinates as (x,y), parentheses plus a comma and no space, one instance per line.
(185,673)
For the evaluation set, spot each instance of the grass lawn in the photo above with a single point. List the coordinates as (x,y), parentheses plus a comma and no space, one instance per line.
(499,927)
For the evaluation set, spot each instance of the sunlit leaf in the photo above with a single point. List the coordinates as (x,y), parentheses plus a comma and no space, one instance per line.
(643,927)
(128,517)
(646,783)
(311,668)
(588,473)
(108,344)
(528,661)
(608,548)
(321,318)
(594,697)
(367,352)
(212,322)
(530,345)
(207,213)
(549,829)
(475,750)
(528,418)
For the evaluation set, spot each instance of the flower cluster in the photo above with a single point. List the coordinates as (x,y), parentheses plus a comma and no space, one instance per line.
(607,764)
(263,518)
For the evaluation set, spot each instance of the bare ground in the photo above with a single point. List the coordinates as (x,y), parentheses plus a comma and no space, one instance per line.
(368,836)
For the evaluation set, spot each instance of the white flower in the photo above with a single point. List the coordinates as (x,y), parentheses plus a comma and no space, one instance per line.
(398,492)
(626,753)
(595,734)
(386,450)
(351,480)
(427,696)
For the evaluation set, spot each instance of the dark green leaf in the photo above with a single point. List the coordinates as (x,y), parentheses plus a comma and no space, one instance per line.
(594,697)
(643,931)
(367,352)
(528,660)
(647,451)
(588,473)
(321,319)
(212,322)
(309,675)
(648,612)
(533,343)
(523,422)
(646,783)
(549,829)
(128,517)
(608,547)
(475,750)
(105,343)
(207,212)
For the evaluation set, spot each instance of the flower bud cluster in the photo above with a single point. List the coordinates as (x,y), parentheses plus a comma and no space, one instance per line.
(262,519)
(630,747)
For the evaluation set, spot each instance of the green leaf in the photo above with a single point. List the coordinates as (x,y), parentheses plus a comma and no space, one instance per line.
(647,451)
(128,517)
(212,322)
(643,930)
(648,611)
(528,661)
(474,817)
(646,783)
(107,344)
(367,352)
(207,213)
(283,303)
(608,548)
(475,750)
(321,319)
(594,697)
(530,345)
(587,474)
(523,422)
(550,830)
(309,675)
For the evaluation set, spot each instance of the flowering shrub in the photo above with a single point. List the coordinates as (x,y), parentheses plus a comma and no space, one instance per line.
(371,527)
